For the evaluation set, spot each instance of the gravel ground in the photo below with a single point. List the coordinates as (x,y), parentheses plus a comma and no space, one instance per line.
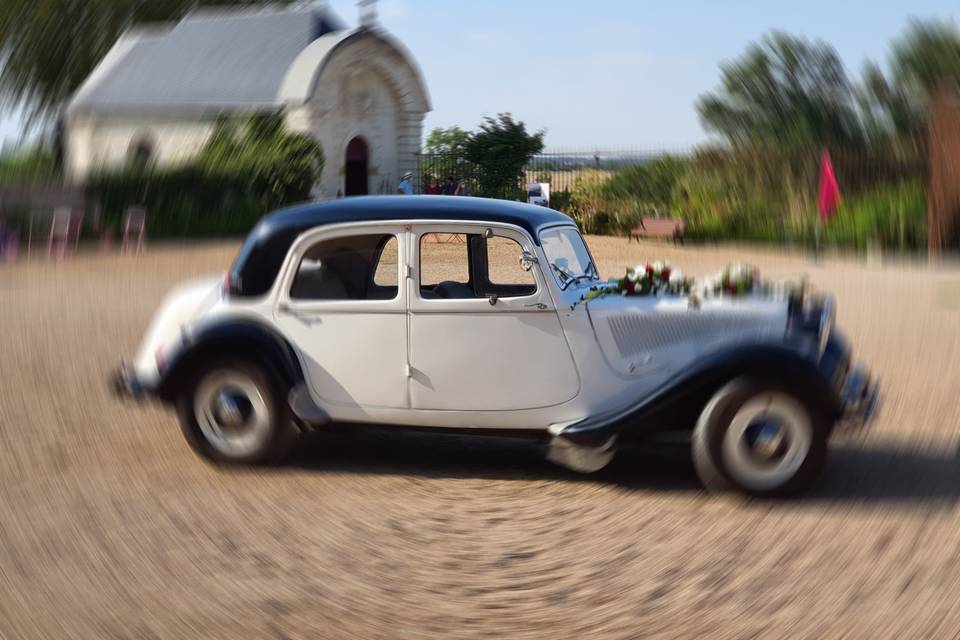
(111,528)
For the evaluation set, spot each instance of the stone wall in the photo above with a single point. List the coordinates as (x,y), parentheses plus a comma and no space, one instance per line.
(99,141)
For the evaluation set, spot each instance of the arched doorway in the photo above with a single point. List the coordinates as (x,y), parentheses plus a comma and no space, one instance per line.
(355,183)
(140,153)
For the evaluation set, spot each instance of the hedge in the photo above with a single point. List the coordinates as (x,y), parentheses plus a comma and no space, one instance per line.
(187,201)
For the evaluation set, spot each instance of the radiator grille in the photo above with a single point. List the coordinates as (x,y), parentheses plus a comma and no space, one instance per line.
(639,333)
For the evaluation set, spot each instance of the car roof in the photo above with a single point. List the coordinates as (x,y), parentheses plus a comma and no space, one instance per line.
(261,256)
(530,217)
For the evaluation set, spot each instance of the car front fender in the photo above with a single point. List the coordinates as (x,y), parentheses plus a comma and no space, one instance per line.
(678,402)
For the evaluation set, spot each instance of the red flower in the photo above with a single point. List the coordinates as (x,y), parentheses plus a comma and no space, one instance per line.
(650,270)
(630,287)
(665,274)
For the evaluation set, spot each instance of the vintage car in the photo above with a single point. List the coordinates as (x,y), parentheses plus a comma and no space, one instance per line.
(468,315)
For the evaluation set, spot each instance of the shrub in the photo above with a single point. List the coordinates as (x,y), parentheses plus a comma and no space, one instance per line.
(650,185)
(560,200)
(183,201)
(241,173)
(893,214)
(28,164)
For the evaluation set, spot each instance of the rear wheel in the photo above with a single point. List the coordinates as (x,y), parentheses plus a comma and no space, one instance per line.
(760,438)
(233,411)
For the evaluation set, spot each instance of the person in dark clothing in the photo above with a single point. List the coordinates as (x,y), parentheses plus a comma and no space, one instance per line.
(449,187)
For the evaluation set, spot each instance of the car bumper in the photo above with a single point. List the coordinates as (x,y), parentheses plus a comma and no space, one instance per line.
(859,398)
(126,384)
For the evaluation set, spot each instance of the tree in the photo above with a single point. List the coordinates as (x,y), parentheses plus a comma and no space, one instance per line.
(891,113)
(281,165)
(49,47)
(500,149)
(444,155)
(928,56)
(785,90)
(449,140)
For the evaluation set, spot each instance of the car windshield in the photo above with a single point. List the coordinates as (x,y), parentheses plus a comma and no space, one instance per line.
(567,255)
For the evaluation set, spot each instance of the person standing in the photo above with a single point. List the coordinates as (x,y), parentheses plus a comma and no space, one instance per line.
(406,184)
(433,189)
(449,187)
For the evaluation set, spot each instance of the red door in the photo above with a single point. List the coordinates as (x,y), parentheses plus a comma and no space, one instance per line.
(356,168)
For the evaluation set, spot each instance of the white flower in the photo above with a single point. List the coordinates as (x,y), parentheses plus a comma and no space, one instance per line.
(676,276)
(634,275)
(657,268)
(710,284)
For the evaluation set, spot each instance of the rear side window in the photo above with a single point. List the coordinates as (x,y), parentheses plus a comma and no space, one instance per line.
(362,267)
(387,269)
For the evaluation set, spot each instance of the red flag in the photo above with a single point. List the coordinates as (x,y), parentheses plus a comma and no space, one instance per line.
(829,189)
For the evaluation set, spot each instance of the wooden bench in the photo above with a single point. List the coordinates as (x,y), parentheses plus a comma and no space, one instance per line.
(658,228)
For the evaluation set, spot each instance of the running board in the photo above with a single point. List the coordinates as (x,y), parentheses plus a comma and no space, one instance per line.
(578,457)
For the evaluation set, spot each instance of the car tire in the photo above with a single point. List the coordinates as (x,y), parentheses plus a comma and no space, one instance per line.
(761,439)
(232,411)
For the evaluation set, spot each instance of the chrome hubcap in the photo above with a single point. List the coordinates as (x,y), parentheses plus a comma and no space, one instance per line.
(767,441)
(231,412)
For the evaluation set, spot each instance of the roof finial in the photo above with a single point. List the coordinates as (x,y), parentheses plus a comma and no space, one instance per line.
(368,12)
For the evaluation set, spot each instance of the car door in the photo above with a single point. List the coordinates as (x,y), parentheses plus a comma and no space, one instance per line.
(343,309)
(484,334)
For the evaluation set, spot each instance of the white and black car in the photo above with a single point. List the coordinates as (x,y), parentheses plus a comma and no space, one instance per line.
(465,314)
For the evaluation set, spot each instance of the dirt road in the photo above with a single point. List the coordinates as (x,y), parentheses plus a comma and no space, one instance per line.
(111,528)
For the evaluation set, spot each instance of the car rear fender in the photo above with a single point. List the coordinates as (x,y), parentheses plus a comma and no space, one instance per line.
(242,338)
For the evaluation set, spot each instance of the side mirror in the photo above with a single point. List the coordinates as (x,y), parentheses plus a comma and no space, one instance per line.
(527,260)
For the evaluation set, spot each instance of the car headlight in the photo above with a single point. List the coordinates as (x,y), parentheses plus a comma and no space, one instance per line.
(827,318)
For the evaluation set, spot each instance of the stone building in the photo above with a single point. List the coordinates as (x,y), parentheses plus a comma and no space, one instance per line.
(158,93)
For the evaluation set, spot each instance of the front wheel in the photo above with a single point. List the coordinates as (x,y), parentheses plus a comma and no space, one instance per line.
(232,411)
(760,438)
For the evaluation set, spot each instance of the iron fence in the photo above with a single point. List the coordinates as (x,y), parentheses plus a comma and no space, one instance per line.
(857,169)
(560,168)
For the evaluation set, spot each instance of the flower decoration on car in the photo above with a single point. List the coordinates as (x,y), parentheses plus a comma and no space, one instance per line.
(735,279)
(651,279)
(660,278)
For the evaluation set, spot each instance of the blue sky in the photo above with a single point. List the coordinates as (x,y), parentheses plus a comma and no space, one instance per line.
(611,73)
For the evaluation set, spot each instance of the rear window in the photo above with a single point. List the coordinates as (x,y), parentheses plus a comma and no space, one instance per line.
(259,261)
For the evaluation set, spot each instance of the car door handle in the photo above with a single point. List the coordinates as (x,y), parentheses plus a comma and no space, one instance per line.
(305,318)
(536,305)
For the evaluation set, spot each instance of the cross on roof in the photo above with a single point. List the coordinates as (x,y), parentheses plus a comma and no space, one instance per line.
(368,12)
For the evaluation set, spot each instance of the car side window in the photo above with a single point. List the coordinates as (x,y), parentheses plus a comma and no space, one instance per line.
(361,267)
(445,266)
(460,266)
